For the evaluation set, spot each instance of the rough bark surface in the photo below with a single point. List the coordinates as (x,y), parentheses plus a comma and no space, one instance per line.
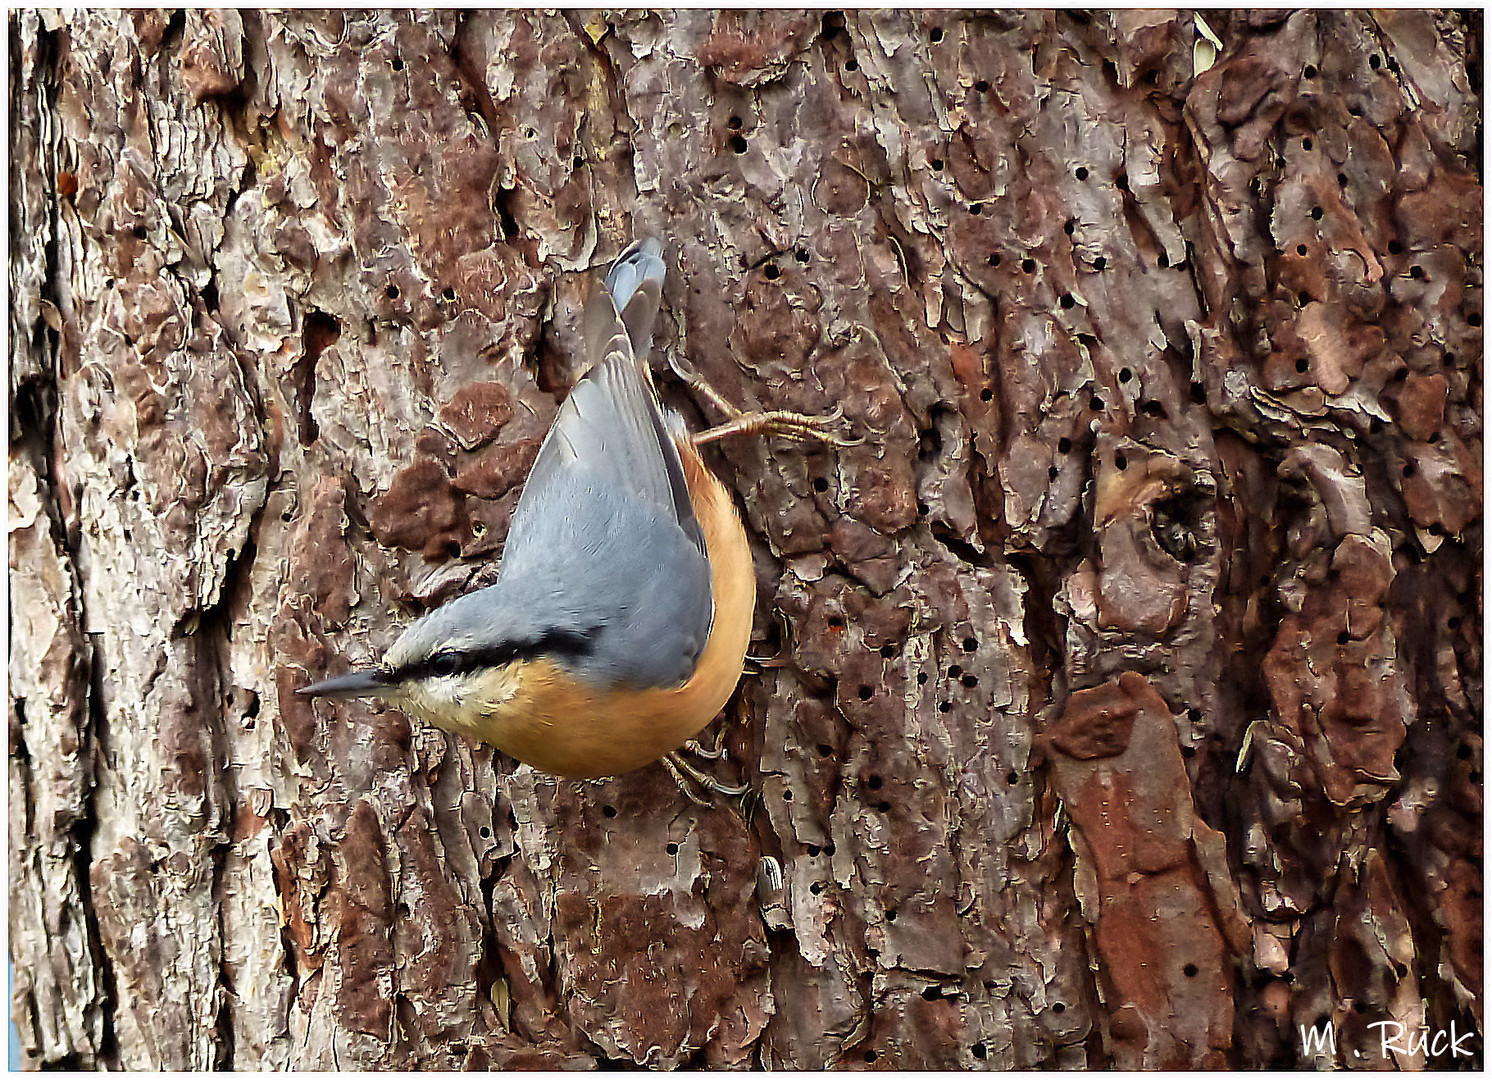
(1127,700)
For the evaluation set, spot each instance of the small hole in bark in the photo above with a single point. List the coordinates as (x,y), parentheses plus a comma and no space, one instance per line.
(1476,778)
(937,164)
(1306,144)
(825,749)
(813,851)
(1069,228)
(1059,1008)
(1401,374)
(1125,374)
(1190,971)
(978,1049)
(1310,71)
(485,832)
(1151,77)
(392,292)
(396,64)
(816,888)
(970,681)
(1400,970)
(801,255)
(831,24)
(1121,462)
(1012,778)
(1302,365)
(975,209)
(829,849)
(1194,715)
(982,86)
(1417,272)
(734,123)
(986,394)
(921,678)
(890,652)
(884,808)
(672,849)
(1199,393)
(1064,445)
(1393,65)
(787,795)
(891,915)
(1100,263)
(994,259)
(1081,173)
(820,484)
(1028,265)
(1188,751)
(1095,403)
(971,644)
(1067,301)
(932,993)
(139,231)
(874,783)
(1375,62)
(1341,179)
(1463,752)
(851,65)
(1052,473)
(1395,248)
(1161,261)
(945,706)
(609,811)
(1359,1007)
(1453,623)
(1473,319)
(870,1055)
(935,35)
(448,294)
(1343,638)
(738,143)
(1304,298)
(1301,249)
(1409,469)
(866,693)
(954,671)
(772,273)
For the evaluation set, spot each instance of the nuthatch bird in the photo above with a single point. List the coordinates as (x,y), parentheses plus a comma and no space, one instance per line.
(618,624)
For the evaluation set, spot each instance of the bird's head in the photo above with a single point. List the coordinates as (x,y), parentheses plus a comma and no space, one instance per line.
(458,665)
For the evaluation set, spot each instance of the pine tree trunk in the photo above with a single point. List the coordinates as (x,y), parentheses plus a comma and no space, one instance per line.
(1126,700)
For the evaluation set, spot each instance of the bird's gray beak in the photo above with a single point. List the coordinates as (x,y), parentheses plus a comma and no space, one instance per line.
(355,684)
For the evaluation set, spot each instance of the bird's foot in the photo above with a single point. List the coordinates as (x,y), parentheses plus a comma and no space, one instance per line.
(790,425)
(690,776)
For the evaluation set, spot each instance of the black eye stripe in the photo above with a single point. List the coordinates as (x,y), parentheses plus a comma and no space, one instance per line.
(449,662)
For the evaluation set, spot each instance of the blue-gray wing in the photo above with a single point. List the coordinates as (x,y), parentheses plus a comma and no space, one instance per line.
(604,540)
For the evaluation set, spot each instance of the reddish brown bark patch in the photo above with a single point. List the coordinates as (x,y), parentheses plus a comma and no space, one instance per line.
(421,512)
(1161,925)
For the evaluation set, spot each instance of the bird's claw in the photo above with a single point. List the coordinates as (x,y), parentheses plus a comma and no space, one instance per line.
(790,425)
(687,775)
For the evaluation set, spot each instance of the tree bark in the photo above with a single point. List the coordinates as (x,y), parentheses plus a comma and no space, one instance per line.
(1126,695)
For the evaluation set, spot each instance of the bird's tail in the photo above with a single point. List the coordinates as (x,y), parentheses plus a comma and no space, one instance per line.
(636,287)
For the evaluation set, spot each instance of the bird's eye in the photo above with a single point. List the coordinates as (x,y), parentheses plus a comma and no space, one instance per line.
(444,664)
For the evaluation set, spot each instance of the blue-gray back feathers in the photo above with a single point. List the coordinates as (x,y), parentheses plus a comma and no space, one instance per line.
(604,543)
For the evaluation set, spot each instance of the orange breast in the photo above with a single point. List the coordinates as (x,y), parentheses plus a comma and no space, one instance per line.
(560,726)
